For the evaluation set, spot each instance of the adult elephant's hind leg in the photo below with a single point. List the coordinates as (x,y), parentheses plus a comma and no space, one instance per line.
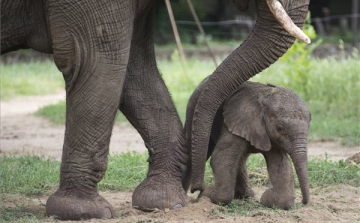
(147,105)
(91,41)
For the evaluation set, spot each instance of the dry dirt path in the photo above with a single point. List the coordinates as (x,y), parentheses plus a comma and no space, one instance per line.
(22,132)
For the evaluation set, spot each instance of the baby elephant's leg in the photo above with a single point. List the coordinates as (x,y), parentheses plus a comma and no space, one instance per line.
(242,187)
(282,194)
(225,162)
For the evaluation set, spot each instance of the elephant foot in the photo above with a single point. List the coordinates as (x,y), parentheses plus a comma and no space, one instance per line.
(207,191)
(67,206)
(248,193)
(282,200)
(218,196)
(159,192)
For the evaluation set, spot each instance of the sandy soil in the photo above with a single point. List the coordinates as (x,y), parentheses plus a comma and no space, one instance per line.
(22,132)
(338,203)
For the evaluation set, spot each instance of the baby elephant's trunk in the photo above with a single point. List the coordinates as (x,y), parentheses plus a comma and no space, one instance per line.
(299,158)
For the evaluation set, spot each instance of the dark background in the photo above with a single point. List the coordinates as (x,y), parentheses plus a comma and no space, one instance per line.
(336,12)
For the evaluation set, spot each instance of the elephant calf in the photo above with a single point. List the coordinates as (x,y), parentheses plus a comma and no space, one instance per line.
(264,119)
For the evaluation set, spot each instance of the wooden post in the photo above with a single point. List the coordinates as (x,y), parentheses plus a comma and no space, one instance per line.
(355,28)
(176,34)
(196,18)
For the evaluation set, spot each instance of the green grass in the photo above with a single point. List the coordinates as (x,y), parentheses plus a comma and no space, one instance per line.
(23,214)
(54,112)
(35,78)
(31,175)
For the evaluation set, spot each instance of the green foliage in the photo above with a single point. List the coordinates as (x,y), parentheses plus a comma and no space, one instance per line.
(29,175)
(29,79)
(32,175)
(299,61)
(56,113)
(181,84)
(125,171)
(325,172)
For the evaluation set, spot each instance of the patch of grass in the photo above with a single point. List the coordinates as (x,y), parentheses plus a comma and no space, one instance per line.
(251,208)
(32,175)
(56,113)
(22,214)
(125,171)
(29,175)
(180,84)
(324,172)
(34,78)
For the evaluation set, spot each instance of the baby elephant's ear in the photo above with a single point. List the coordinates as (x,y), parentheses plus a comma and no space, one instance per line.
(244,117)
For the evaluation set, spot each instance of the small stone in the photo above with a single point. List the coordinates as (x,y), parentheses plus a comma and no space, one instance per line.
(205,209)
(167,210)
(156,210)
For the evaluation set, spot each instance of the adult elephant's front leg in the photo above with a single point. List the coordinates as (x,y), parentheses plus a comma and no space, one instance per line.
(147,105)
(91,41)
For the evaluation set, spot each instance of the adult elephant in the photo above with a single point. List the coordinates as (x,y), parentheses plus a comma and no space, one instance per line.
(105,51)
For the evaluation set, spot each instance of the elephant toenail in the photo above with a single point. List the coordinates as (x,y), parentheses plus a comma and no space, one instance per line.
(107,214)
(177,206)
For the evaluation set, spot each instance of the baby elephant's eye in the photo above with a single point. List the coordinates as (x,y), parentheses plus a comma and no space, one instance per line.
(280,129)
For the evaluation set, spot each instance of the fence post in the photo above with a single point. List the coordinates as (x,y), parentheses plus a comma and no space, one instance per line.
(355,28)
(196,18)
(176,34)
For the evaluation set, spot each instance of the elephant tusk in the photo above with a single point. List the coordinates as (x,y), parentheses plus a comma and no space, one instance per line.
(286,22)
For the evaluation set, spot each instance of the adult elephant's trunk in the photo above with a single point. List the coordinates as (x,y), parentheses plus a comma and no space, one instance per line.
(268,41)
(299,157)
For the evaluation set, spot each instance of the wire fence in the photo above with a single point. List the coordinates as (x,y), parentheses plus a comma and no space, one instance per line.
(242,26)
(252,21)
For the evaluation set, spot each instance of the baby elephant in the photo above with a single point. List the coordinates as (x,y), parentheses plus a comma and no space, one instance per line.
(264,119)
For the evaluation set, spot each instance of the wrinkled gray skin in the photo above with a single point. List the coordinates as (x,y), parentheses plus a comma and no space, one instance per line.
(265,119)
(263,47)
(105,52)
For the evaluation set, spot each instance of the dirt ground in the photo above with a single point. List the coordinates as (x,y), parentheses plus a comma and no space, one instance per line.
(22,132)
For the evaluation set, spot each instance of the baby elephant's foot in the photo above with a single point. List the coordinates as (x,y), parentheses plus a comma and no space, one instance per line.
(207,191)
(217,196)
(281,200)
(71,207)
(243,194)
